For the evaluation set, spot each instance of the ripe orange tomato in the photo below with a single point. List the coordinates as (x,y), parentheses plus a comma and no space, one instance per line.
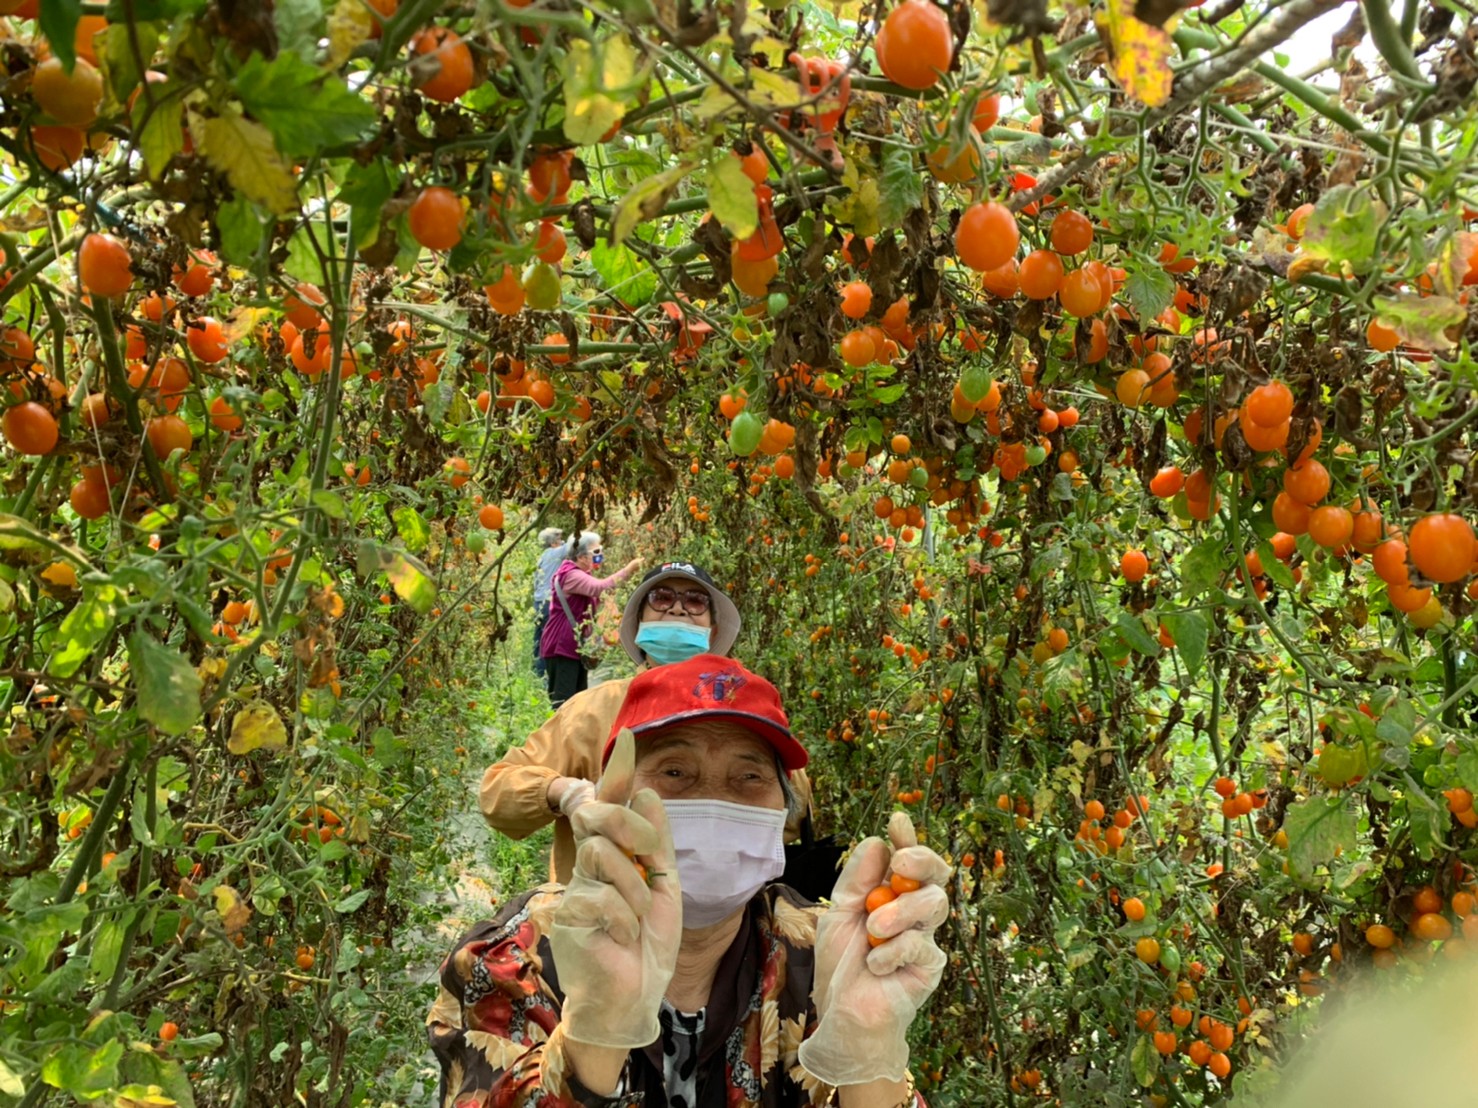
(168,433)
(987,235)
(987,111)
(1442,546)
(207,340)
(856,299)
(30,428)
(1134,565)
(104,265)
(858,349)
(449,70)
(549,176)
(435,218)
(89,499)
(915,45)
(196,278)
(1269,405)
(1080,293)
(1041,274)
(1071,232)
(223,416)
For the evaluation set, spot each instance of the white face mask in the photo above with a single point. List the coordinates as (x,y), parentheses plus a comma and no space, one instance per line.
(725,854)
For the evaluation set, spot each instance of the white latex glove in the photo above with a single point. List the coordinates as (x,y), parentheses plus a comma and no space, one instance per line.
(576,793)
(867,996)
(615,937)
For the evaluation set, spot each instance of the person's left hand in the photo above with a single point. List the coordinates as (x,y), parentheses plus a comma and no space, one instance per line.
(867,995)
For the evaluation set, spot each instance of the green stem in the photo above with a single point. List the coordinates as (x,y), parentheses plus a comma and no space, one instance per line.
(39,261)
(33,482)
(92,844)
(146,865)
(1386,34)
(1245,126)
(117,378)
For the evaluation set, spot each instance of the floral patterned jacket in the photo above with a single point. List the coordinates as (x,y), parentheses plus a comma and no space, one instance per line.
(495,1026)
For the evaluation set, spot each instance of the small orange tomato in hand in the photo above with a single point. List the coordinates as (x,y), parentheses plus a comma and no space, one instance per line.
(881,895)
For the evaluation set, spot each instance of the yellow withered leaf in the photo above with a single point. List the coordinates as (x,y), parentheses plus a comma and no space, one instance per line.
(1141,53)
(256,725)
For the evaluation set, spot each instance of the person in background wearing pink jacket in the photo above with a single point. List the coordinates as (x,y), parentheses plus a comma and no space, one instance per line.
(575,590)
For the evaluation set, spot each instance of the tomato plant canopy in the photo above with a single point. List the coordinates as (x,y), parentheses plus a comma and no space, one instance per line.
(1077,400)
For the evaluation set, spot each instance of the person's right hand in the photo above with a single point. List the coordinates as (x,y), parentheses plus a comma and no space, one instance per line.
(633,565)
(616,932)
(570,793)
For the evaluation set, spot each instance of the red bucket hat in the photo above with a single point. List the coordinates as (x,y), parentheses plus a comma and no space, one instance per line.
(707,686)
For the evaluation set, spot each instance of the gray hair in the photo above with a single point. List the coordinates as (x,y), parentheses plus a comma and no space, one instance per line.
(787,790)
(584,543)
(551,536)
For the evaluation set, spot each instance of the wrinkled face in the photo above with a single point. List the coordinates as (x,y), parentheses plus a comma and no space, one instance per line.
(677,594)
(709,760)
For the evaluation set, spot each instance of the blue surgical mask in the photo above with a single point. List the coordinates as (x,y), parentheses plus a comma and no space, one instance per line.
(597,559)
(668,641)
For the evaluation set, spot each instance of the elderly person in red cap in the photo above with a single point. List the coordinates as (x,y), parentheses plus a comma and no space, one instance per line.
(673,970)
(675,613)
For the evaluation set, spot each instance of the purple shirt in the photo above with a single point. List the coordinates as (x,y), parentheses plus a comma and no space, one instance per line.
(580,591)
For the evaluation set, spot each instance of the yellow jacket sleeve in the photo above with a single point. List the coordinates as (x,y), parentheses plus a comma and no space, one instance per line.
(514,796)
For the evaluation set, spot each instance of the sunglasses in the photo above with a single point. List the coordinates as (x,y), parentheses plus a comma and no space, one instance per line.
(695,601)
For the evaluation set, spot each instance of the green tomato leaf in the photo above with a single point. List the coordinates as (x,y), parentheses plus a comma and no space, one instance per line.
(58,21)
(623,274)
(1189,630)
(411,526)
(156,123)
(900,185)
(1133,632)
(304,108)
(1318,828)
(1200,568)
(241,225)
(1343,227)
(78,1069)
(298,24)
(1149,288)
(86,625)
(365,190)
(167,685)
(120,45)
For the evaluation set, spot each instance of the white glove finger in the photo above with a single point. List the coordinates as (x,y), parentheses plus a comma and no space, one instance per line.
(913,952)
(628,830)
(921,910)
(863,872)
(901,831)
(602,861)
(598,907)
(616,779)
(576,796)
(663,858)
(921,864)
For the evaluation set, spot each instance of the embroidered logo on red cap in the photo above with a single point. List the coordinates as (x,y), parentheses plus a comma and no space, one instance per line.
(721,686)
